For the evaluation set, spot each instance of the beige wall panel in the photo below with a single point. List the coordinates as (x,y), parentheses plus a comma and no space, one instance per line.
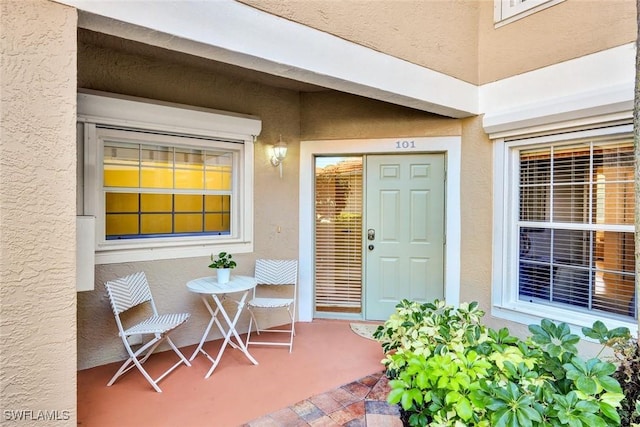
(568,30)
(37,213)
(333,115)
(476,216)
(157,74)
(440,35)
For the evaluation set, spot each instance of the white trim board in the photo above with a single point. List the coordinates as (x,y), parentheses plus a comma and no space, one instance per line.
(591,86)
(234,33)
(451,146)
(107,108)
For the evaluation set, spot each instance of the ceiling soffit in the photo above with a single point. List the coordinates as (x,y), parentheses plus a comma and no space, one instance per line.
(248,42)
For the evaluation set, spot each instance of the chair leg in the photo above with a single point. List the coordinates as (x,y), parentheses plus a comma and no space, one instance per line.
(246,344)
(148,349)
(291,311)
(133,358)
(252,320)
(147,376)
(123,369)
(255,320)
(293,331)
(178,352)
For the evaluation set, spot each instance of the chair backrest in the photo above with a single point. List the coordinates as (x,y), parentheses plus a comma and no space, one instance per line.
(129,291)
(276,271)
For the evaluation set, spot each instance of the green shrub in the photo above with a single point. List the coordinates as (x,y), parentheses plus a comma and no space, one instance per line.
(447,369)
(627,355)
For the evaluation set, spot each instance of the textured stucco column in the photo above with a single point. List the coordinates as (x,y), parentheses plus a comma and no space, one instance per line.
(37,213)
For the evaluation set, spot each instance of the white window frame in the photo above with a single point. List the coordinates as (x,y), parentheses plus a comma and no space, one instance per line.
(170,122)
(506,11)
(505,303)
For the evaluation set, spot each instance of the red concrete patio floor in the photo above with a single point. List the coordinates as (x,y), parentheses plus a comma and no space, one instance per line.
(332,378)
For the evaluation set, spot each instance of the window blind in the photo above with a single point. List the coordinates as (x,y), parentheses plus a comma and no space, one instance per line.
(576,227)
(338,234)
(155,190)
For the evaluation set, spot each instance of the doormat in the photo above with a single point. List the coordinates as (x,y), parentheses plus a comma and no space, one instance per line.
(365,330)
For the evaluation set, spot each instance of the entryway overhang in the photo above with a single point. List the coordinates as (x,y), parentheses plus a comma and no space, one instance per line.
(237,34)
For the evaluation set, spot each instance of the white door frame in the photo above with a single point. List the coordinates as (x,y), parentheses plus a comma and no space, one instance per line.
(450,145)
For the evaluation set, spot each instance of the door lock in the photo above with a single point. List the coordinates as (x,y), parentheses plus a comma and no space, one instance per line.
(370,247)
(371,234)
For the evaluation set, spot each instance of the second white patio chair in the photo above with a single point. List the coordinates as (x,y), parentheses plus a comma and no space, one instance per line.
(133,291)
(272,273)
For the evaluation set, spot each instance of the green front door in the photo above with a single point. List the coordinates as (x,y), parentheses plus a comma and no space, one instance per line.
(404,231)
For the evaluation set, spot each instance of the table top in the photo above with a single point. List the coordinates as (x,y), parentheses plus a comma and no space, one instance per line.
(210,285)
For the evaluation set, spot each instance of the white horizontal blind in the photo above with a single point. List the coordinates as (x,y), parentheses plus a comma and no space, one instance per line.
(576,227)
(338,234)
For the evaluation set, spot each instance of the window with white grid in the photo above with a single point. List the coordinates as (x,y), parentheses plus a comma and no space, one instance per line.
(568,236)
(164,180)
(166,187)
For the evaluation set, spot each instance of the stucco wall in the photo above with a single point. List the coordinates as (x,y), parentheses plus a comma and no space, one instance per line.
(568,30)
(476,188)
(440,35)
(37,213)
(459,38)
(334,115)
(137,70)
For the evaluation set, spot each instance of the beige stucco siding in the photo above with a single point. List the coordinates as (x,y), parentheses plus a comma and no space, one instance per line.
(476,188)
(333,115)
(37,212)
(460,38)
(440,35)
(568,30)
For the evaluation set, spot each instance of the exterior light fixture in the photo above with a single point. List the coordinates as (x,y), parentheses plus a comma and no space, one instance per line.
(278,154)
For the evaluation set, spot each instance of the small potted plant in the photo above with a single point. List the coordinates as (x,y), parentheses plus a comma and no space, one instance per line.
(223,263)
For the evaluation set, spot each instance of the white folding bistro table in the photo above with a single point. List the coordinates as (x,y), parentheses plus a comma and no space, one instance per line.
(209,287)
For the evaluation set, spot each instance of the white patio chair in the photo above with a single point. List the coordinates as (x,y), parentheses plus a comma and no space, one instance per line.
(132,291)
(270,272)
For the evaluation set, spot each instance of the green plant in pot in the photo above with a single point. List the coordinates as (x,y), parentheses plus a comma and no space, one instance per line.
(223,263)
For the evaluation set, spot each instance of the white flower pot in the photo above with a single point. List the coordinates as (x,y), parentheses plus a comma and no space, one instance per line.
(223,275)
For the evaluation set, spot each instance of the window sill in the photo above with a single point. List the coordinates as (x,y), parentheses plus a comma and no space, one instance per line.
(531,313)
(120,255)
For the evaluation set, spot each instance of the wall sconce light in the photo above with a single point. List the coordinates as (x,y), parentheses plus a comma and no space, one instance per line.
(278,154)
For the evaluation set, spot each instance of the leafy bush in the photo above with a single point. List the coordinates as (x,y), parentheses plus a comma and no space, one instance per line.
(627,354)
(447,369)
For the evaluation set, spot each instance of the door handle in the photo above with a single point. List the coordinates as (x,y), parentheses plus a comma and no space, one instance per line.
(370,247)
(371,234)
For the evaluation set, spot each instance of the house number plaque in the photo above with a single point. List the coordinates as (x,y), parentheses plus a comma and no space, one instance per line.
(405,145)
